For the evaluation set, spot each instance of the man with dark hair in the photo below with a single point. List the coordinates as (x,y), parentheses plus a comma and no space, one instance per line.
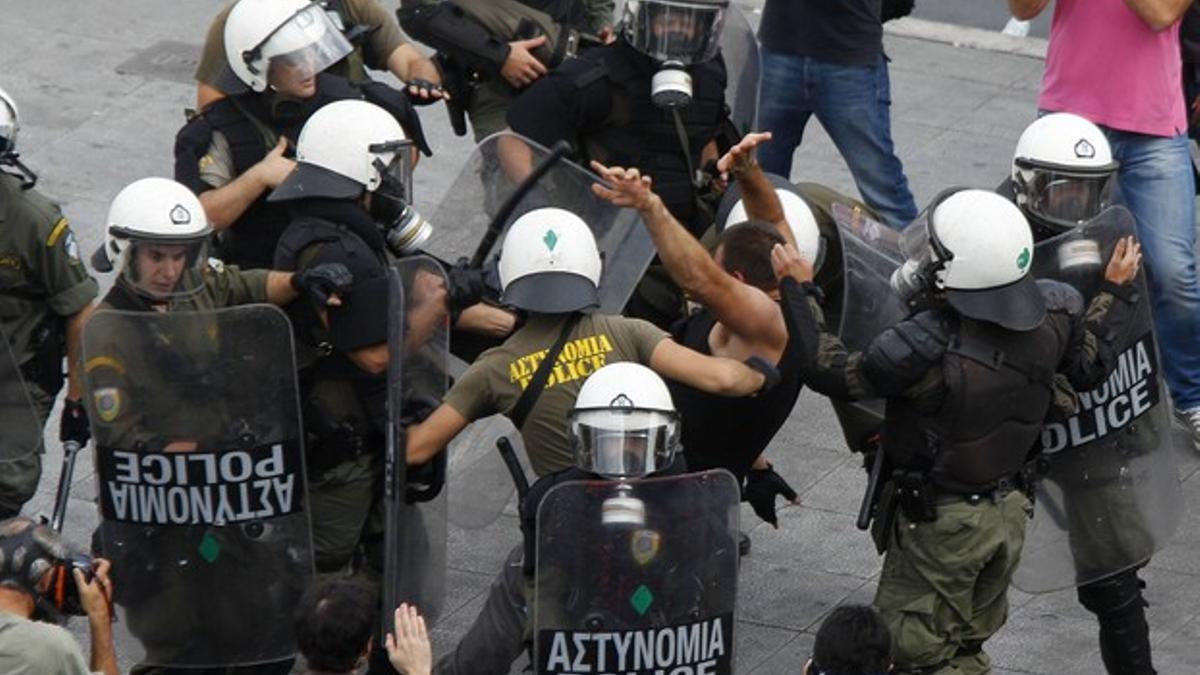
(745,251)
(334,622)
(852,640)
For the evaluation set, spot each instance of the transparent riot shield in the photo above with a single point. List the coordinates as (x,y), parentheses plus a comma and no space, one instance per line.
(860,256)
(495,170)
(418,348)
(1109,494)
(200,480)
(743,67)
(22,435)
(637,577)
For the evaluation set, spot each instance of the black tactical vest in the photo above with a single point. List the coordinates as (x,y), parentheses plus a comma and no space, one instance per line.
(998,390)
(639,134)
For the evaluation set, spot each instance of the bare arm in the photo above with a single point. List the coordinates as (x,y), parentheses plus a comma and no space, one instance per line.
(373,359)
(744,310)
(206,95)
(716,375)
(1158,14)
(758,195)
(75,324)
(279,288)
(96,598)
(431,436)
(408,64)
(224,205)
(1026,9)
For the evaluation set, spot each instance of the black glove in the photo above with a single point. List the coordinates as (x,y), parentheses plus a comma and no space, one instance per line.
(762,486)
(769,372)
(320,281)
(73,426)
(466,286)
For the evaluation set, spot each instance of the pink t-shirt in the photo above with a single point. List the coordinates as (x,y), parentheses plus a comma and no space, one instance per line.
(1105,64)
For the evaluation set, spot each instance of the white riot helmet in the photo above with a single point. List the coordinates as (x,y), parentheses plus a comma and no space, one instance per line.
(10,123)
(1063,171)
(549,263)
(799,215)
(348,147)
(296,35)
(976,248)
(165,222)
(624,423)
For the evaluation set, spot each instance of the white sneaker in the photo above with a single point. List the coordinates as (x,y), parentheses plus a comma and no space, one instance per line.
(1190,419)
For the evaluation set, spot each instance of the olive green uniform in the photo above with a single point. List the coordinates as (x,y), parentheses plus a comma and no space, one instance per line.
(42,282)
(383,38)
(494,383)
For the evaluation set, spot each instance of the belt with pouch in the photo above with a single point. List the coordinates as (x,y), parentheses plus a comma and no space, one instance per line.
(995,494)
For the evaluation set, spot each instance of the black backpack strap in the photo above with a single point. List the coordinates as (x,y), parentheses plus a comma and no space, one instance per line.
(530,396)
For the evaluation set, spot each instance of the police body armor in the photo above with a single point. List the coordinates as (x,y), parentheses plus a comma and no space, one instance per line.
(640,134)
(637,576)
(416,497)
(201,482)
(344,406)
(252,126)
(1108,495)
(998,388)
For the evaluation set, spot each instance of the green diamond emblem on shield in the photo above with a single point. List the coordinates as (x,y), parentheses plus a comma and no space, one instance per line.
(641,599)
(551,239)
(209,548)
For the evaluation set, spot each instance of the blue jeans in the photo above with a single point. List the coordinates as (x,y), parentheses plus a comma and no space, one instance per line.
(1155,181)
(853,103)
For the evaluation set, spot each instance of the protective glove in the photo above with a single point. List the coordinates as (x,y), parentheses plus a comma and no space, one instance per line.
(770,373)
(321,281)
(466,286)
(762,486)
(73,425)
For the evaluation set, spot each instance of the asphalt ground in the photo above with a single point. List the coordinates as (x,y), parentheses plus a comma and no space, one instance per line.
(102,88)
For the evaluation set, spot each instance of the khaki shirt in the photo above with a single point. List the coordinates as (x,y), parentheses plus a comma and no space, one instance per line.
(40,268)
(33,647)
(380,42)
(495,381)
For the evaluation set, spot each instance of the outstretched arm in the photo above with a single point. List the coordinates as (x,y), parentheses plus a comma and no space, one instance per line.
(714,374)
(745,310)
(758,195)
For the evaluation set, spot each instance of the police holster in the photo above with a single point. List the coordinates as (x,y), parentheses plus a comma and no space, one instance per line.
(884,519)
(460,84)
(917,495)
(49,345)
(332,435)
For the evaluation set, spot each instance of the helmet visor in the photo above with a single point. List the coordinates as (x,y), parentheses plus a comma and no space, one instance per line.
(164,270)
(1063,198)
(674,31)
(624,443)
(298,49)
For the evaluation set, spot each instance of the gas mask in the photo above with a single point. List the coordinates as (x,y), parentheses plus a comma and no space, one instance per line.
(676,34)
(404,228)
(917,281)
(34,559)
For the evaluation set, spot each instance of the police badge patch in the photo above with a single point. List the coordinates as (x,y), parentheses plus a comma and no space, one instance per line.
(108,403)
(644,545)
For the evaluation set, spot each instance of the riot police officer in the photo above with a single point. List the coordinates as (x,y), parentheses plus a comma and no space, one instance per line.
(623,424)
(968,378)
(1062,178)
(655,100)
(235,151)
(45,298)
(490,50)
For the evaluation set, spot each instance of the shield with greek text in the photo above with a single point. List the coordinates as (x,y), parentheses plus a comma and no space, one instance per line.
(638,576)
(200,482)
(1108,496)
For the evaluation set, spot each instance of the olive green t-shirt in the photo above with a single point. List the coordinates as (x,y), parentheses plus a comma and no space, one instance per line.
(381,41)
(495,381)
(40,269)
(33,648)
(223,286)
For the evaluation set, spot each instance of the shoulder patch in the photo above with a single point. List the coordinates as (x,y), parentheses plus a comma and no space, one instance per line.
(108,403)
(61,228)
(216,265)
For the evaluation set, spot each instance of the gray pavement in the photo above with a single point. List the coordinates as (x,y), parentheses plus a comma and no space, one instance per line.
(102,87)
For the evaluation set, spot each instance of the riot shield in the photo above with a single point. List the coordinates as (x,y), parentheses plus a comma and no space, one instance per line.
(1109,496)
(22,435)
(743,67)
(418,345)
(494,171)
(860,256)
(637,577)
(201,485)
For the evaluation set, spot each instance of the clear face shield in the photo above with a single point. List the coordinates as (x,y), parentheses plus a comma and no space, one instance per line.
(624,443)
(293,53)
(676,34)
(157,269)
(404,229)
(924,255)
(1061,197)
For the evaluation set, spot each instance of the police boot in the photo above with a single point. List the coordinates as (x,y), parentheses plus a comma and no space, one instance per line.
(1124,634)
